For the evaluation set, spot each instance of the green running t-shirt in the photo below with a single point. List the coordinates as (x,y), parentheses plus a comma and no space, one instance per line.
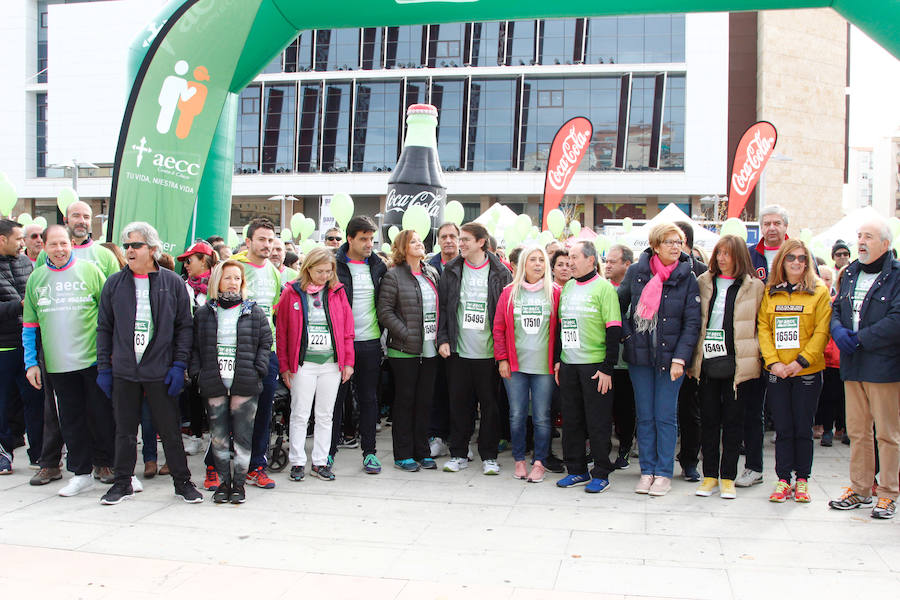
(474,338)
(365,321)
(531,312)
(91,252)
(319,348)
(264,287)
(585,311)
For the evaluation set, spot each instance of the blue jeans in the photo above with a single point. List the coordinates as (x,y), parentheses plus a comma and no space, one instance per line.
(656,404)
(263,420)
(12,375)
(540,388)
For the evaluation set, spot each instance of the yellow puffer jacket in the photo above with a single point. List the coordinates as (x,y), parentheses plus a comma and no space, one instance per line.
(813,309)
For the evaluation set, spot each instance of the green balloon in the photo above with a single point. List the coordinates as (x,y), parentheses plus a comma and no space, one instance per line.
(65,198)
(546,237)
(25,219)
(806,235)
(41,221)
(556,222)
(342,208)
(3,176)
(307,245)
(627,224)
(233,240)
(247,226)
(522,225)
(286,234)
(602,243)
(8,197)
(386,248)
(307,228)
(574,227)
(437,249)
(454,212)
(104,227)
(297,222)
(416,218)
(734,226)
(392,232)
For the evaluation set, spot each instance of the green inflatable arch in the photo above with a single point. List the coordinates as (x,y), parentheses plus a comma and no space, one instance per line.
(175,154)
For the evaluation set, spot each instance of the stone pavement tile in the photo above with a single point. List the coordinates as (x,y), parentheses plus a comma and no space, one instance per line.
(617,498)
(50,533)
(14,499)
(752,584)
(857,527)
(824,555)
(633,578)
(462,536)
(498,567)
(86,508)
(423,590)
(716,526)
(339,587)
(890,554)
(529,594)
(17,588)
(593,519)
(683,550)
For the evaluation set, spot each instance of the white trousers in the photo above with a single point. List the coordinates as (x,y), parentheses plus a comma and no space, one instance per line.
(319,382)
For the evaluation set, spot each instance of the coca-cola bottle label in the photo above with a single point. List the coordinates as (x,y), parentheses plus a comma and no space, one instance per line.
(400,196)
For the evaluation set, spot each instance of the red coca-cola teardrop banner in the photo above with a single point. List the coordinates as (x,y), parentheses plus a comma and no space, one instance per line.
(750,159)
(569,146)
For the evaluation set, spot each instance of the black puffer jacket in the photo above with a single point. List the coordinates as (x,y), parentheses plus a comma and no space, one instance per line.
(451,282)
(400,307)
(14,272)
(254,346)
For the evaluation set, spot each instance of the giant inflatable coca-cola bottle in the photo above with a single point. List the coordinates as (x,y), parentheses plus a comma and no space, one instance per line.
(417,178)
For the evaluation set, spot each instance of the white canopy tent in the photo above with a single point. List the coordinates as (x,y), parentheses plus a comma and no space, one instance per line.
(845,229)
(637,237)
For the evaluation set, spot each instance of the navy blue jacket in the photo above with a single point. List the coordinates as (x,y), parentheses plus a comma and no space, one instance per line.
(877,360)
(678,320)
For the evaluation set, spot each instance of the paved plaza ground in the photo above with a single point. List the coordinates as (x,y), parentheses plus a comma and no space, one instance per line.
(442,535)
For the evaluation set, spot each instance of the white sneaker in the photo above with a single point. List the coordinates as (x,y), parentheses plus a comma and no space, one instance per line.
(438,447)
(748,477)
(136,484)
(470,455)
(490,467)
(456,464)
(76,485)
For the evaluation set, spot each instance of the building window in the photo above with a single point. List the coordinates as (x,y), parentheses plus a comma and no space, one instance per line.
(336,128)
(487,44)
(298,56)
(337,50)
(558,42)
(278,128)
(41,134)
(445,45)
(247,135)
(308,134)
(491,125)
(375,126)
(550,99)
(372,51)
(635,39)
(447,97)
(640,123)
(520,42)
(405,48)
(671,143)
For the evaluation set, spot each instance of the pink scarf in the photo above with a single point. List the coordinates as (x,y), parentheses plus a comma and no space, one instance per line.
(648,305)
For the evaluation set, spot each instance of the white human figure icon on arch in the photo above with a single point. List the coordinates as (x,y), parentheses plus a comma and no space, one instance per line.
(174,87)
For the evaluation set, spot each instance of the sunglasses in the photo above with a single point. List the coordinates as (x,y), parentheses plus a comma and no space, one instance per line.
(135,245)
(844,254)
(333,238)
(34,236)
(317,301)
(801,258)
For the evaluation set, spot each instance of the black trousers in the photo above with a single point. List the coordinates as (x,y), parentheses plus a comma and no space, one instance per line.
(126,400)
(793,404)
(689,423)
(623,410)
(587,414)
(52,444)
(440,404)
(722,418)
(414,380)
(473,382)
(366,371)
(754,423)
(831,401)
(86,420)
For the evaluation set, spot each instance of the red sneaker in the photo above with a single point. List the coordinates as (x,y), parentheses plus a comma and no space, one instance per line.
(782,492)
(801,491)
(259,478)
(211,482)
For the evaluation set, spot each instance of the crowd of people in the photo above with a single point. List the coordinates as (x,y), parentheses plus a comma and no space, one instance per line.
(99,339)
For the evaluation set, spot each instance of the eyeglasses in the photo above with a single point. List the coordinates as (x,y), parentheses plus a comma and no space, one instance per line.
(672,243)
(801,258)
(843,254)
(334,238)
(34,236)
(135,245)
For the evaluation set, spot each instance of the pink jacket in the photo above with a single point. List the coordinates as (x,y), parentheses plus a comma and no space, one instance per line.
(290,329)
(505,331)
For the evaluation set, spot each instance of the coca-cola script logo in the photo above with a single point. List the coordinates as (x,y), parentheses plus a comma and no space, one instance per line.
(569,147)
(431,199)
(754,151)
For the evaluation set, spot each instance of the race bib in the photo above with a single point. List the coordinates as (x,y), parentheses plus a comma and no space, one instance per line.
(570,339)
(787,333)
(430,326)
(714,343)
(531,318)
(475,315)
(319,339)
(226,355)
(141,336)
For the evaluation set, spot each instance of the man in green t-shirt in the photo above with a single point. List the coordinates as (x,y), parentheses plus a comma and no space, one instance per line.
(62,297)
(78,223)
(590,329)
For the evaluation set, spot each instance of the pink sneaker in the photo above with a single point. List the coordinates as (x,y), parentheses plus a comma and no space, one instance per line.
(661,486)
(644,484)
(521,470)
(537,472)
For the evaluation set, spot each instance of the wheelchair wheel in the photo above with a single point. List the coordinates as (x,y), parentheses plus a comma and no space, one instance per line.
(277,456)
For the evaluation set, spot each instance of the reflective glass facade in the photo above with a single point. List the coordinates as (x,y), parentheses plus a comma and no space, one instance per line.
(354,122)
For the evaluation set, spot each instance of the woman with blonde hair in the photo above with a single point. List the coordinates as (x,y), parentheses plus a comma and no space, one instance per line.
(524,336)
(314,345)
(726,359)
(408,310)
(794,320)
(230,358)
(661,296)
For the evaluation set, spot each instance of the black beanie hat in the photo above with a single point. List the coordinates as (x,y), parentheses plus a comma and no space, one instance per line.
(839,245)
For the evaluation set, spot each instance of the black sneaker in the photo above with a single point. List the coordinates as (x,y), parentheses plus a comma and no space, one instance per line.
(553,464)
(884,509)
(691,474)
(237,494)
(323,472)
(622,462)
(850,500)
(349,442)
(297,473)
(222,494)
(188,492)
(117,493)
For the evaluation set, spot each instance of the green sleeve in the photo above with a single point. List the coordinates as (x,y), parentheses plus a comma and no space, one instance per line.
(108,262)
(610,305)
(278,285)
(41,259)
(99,280)
(29,314)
